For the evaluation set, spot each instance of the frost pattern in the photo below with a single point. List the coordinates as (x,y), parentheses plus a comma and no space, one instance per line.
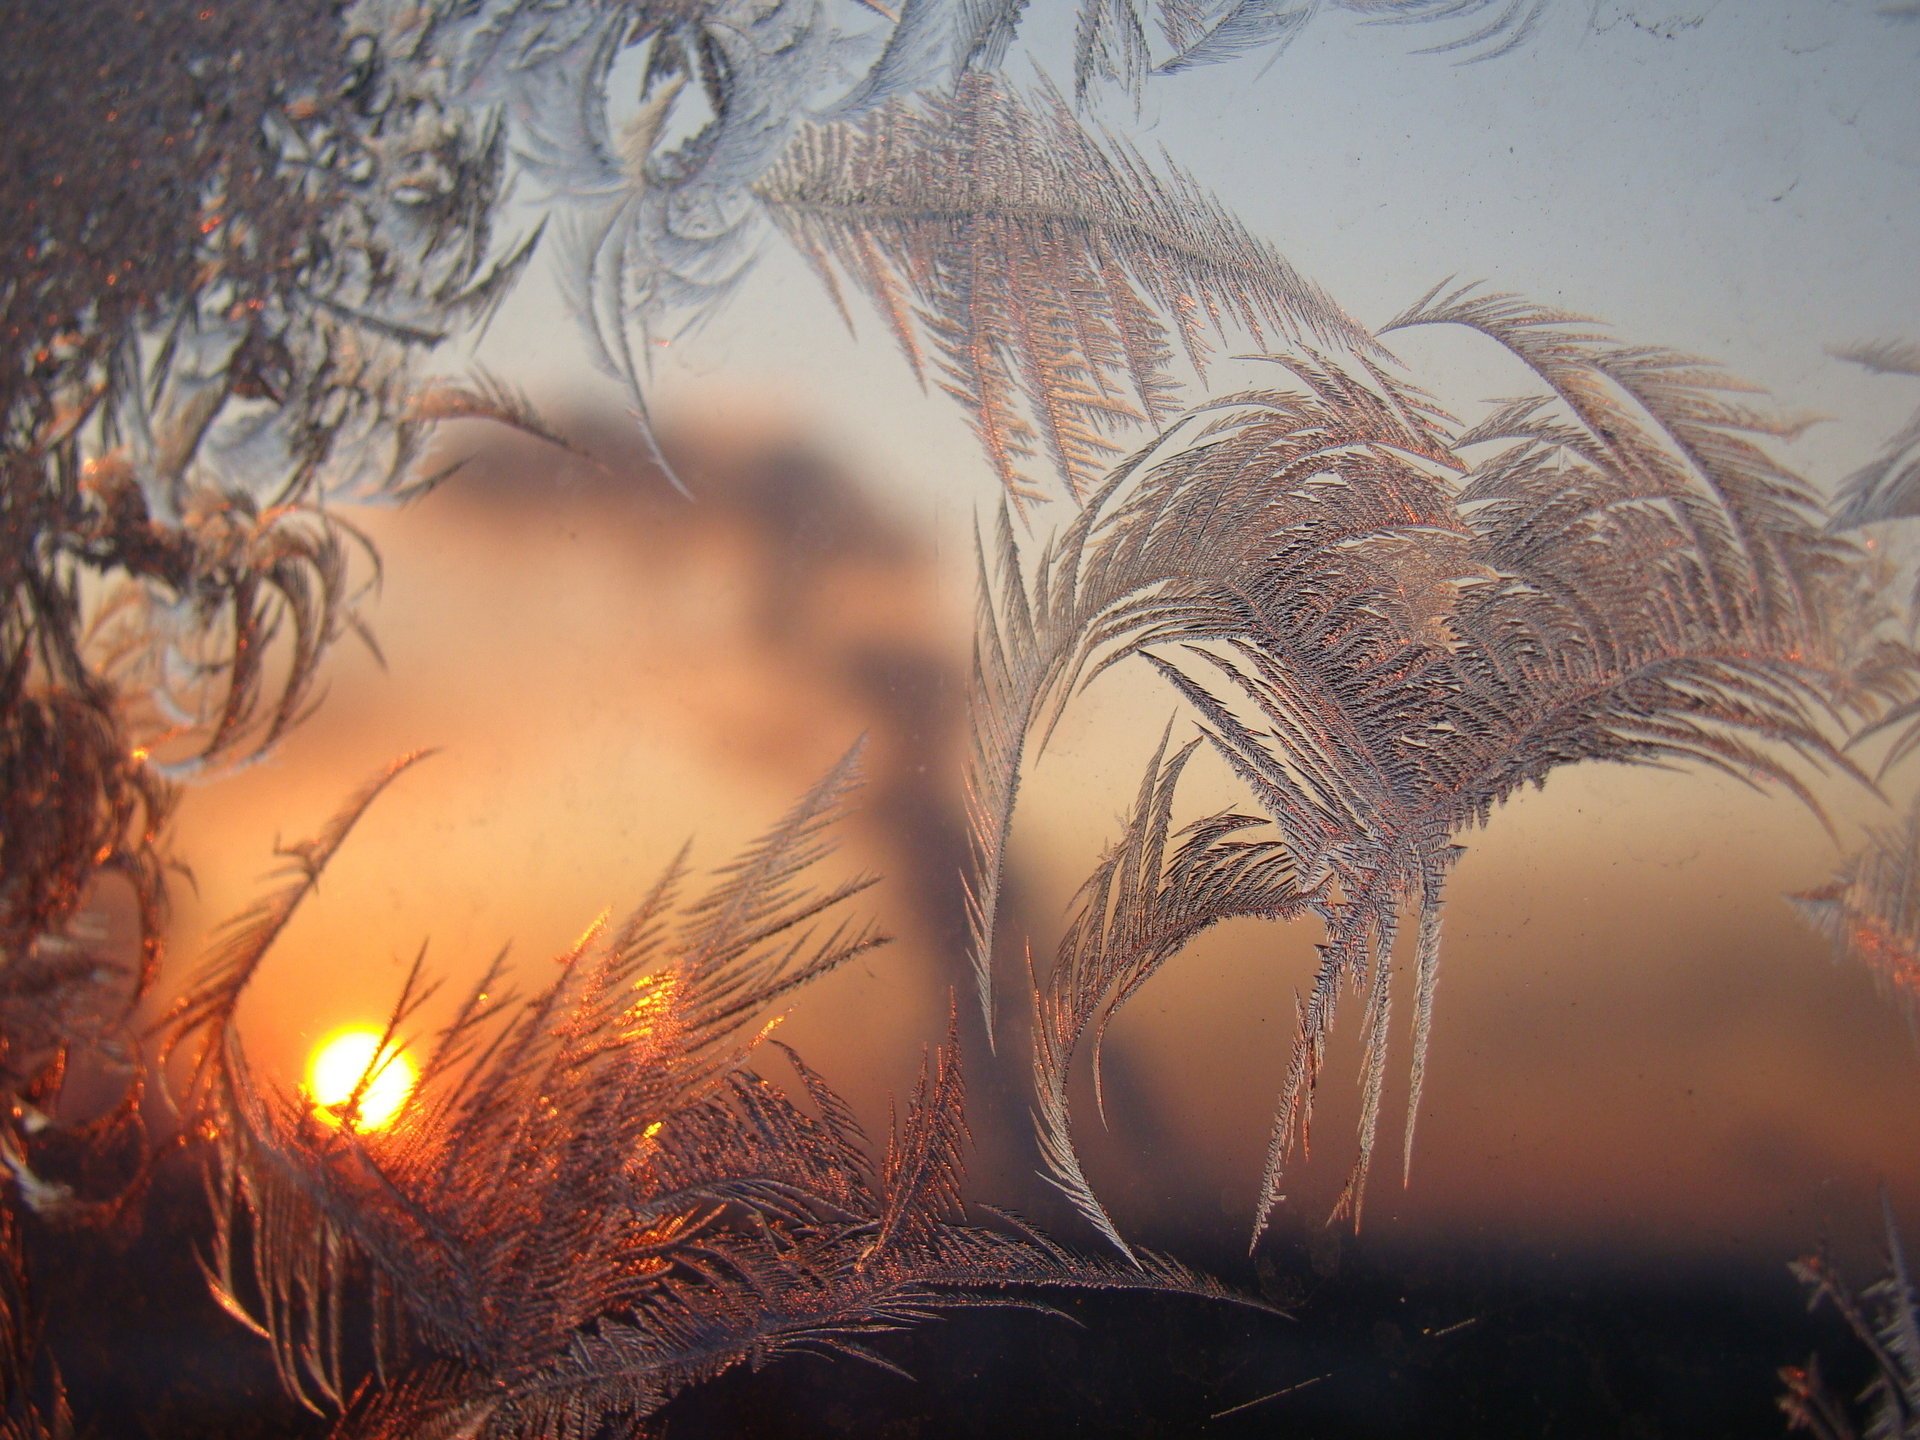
(1386,623)
(597,1198)
(1048,269)
(653,230)
(1113,44)
(1885,1320)
(1887,488)
(233,271)
(1870,910)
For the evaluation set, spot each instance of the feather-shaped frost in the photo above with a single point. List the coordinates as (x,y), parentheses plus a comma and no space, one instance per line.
(1043,273)
(1111,42)
(656,228)
(1484,29)
(229,289)
(1386,623)
(596,1198)
(1870,910)
(1888,487)
(1885,1322)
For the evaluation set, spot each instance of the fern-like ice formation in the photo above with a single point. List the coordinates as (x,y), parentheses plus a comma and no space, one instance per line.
(1870,910)
(263,369)
(1887,489)
(1048,269)
(1114,42)
(234,262)
(654,227)
(656,219)
(1888,486)
(1885,1321)
(1386,623)
(596,1198)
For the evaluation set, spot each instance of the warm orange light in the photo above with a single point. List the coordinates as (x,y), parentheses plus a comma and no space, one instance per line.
(652,1007)
(335,1071)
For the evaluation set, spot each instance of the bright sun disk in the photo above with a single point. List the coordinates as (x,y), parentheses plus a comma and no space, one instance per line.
(335,1069)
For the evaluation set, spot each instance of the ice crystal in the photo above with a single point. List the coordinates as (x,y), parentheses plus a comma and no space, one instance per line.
(33,1402)
(596,1197)
(1048,269)
(1870,910)
(1885,1320)
(1887,488)
(241,234)
(1113,43)
(1386,623)
(654,229)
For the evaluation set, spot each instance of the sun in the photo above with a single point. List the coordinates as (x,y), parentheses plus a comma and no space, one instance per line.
(335,1068)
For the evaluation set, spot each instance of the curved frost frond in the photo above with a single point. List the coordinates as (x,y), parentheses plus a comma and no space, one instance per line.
(933,44)
(1870,909)
(1885,1322)
(218,338)
(1386,621)
(1162,553)
(1042,272)
(1151,895)
(595,1197)
(656,225)
(1113,43)
(1485,29)
(1888,486)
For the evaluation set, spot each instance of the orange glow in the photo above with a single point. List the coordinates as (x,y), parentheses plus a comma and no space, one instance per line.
(652,1005)
(335,1071)
(1887,953)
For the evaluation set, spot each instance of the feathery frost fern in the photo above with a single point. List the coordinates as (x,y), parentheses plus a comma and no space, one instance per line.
(596,1198)
(1887,488)
(1870,910)
(233,270)
(1386,623)
(1049,269)
(1885,1320)
(1113,44)
(1383,620)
